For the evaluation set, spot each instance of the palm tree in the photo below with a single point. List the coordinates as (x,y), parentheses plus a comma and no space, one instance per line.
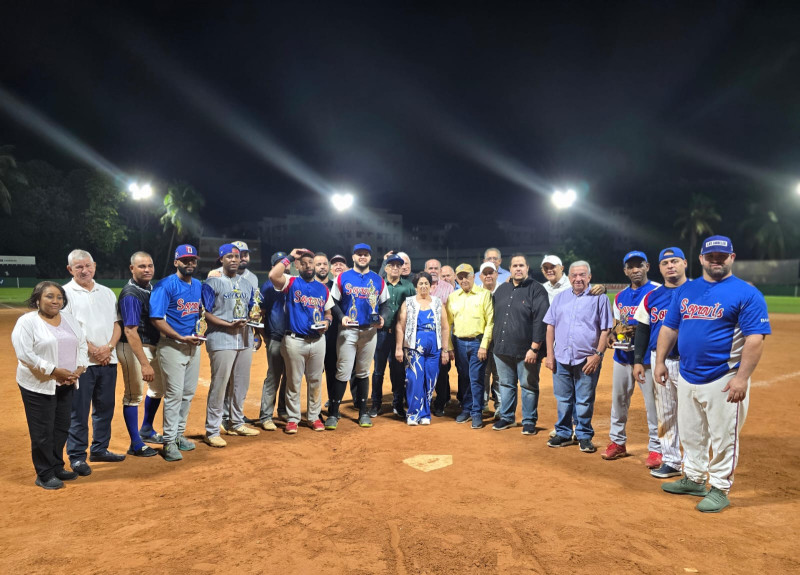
(182,205)
(696,220)
(8,172)
(766,230)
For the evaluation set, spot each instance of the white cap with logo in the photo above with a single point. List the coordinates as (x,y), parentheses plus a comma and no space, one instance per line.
(554,260)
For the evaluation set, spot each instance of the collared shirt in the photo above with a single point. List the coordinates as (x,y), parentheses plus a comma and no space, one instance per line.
(578,321)
(502,276)
(554,289)
(96,312)
(471,314)
(246,274)
(518,314)
(177,302)
(397,295)
(442,290)
(222,296)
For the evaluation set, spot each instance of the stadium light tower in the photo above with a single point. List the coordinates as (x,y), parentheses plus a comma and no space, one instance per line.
(564,199)
(140,192)
(797,188)
(342,201)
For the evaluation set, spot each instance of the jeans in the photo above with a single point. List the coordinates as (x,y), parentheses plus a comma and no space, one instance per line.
(96,391)
(471,372)
(384,351)
(575,392)
(511,370)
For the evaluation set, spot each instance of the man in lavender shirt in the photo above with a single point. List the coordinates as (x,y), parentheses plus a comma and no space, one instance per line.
(577,331)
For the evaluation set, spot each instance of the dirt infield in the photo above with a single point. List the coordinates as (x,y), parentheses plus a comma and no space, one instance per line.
(344,501)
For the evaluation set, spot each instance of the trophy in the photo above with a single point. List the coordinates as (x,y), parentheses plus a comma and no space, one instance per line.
(201,326)
(352,313)
(255,311)
(372,298)
(319,320)
(623,335)
(239,309)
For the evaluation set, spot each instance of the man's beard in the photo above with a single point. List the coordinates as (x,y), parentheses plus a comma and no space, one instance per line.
(361,268)
(307,275)
(242,266)
(321,277)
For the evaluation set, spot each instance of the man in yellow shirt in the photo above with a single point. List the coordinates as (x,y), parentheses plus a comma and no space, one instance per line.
(471,313)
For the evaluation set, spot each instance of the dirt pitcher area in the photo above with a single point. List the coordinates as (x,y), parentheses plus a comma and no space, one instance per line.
(345,501)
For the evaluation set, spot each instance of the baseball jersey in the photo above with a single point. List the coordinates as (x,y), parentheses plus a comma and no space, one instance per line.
(177,302)
(351,289)
(302,300)
(96,312)
(625,304)
(134,310)
(247,274)
(221,295)
(652,312)
(713,319)
(274,311)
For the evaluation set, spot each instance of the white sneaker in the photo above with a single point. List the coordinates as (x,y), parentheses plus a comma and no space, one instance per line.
(425,421)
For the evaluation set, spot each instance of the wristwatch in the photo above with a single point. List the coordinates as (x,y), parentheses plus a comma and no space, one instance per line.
(599,353)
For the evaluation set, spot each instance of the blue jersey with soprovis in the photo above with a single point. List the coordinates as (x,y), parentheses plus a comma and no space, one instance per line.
(351,289)
(652,311)
(178,302)
(713,319)
(303,299)
(625,304)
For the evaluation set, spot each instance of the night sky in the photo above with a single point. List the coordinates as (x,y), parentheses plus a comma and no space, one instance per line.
(454,111)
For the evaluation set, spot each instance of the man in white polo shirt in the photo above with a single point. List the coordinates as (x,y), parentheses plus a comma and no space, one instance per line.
(95,308)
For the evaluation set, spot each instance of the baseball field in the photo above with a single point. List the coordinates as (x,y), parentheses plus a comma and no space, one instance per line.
(345,501)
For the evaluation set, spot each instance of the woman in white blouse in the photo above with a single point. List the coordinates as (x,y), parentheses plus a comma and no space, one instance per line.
(52,354)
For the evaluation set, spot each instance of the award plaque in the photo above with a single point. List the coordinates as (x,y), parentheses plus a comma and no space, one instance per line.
(352,313)
(623,335)
(319,320)
(372,298)
(239,309)
(201,326)
(255,311)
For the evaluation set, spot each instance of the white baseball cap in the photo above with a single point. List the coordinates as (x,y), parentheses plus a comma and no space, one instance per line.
(485,265)
(554,260)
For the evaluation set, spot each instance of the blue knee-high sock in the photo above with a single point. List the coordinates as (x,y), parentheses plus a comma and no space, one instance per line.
(131,415)
(150,408)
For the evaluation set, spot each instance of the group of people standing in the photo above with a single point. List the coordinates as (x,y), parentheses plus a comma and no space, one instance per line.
(498,326)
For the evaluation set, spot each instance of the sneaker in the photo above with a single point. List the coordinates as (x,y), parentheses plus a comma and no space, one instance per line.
(365,420)
(553,434)
(317,425)
(65,475)
(214,441)
(184,444)
(52,483)
(463,417)
(107,456)
(151,437)
(425,421)
(143,451)
(558,441)
(488,413)
(665,471)
(291,427)
(282,416)
(715,501)
(81,468)
(243,430)
(529,429)
(587,446)
(331,422)
(171,452)
(614,451)
(477,422)
(410,421)
(654,460)
(374,410)
(685,486)
(267,425)
(502,424)
(399,412)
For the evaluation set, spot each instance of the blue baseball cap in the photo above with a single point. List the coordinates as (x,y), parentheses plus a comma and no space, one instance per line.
(719,244)
(362,247)
(394,259)
(186,251)
(634,254)
(671,253)
(226,249)
(276,257)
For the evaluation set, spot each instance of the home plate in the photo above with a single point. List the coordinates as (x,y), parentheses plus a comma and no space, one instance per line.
(429,462)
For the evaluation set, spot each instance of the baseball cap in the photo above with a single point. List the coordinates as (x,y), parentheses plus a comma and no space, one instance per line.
(485,265)
(362,247)
(394,259)
(186,251)
(676,253)
(719,244)
(276,257)
(465,268)
(634,254)
(304,253)
(553,260)
(242,246)
(226,249)
(338,258)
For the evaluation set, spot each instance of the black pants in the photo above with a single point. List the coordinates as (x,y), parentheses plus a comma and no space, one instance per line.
(384,353)
(48,424)
(442,387)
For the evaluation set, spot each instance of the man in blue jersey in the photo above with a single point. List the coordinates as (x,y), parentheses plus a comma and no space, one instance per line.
(358,292)
(650,317)
(719,323)
(635,267)
(308,316)
(175,307)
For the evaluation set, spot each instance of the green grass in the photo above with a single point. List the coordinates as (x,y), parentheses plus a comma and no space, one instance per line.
(783,304)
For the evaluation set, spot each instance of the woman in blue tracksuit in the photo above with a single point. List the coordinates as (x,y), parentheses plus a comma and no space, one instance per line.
(421,329)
